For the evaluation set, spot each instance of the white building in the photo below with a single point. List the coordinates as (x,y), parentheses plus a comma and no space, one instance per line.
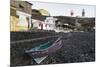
(37,24)
(24,20)
(44,24)
(22,11)
(50,23)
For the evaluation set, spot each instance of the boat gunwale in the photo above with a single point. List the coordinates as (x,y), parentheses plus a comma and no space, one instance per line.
(55,42)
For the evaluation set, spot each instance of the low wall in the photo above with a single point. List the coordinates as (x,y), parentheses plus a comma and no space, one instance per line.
(29,35)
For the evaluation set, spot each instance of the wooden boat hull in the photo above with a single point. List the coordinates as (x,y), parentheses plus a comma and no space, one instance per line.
(41,53)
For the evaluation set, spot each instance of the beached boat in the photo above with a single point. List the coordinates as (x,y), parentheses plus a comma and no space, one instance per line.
(45,49)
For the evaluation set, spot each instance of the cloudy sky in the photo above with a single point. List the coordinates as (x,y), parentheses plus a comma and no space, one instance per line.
(56,9)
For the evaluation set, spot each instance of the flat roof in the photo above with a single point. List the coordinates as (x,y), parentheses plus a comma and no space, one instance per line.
(29,2)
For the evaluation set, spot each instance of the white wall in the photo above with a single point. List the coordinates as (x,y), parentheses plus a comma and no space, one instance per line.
(22,18)
(36,23)
(50,21)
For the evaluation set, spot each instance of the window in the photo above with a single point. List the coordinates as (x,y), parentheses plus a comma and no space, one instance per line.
(20,6)
(27,18)
(17,16)
(49,25)
(46,25)
(46,20)
(39,24)
(32,25)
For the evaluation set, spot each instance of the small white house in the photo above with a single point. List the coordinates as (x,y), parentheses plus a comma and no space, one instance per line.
(50,23)
(44,24)
(37,24)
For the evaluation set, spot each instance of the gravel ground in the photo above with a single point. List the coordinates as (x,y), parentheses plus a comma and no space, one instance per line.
(77,47)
